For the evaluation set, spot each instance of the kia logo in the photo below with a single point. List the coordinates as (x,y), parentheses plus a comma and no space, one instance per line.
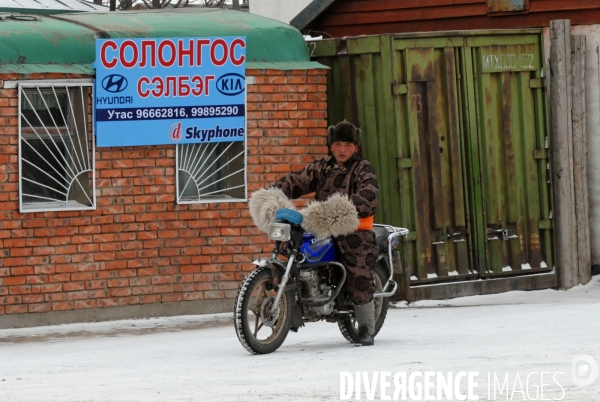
(231,84)
(114,83)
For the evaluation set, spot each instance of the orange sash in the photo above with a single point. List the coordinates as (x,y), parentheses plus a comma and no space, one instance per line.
(366,223)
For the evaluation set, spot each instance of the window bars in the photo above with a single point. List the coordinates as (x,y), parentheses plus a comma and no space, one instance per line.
(56,148)
(211,172)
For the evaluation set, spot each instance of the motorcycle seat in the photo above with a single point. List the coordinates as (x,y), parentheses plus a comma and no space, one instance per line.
(381,237)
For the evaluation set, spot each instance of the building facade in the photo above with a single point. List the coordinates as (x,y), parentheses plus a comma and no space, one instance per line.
(133,250)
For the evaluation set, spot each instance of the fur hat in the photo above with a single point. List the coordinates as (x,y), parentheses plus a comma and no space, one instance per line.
(343,131)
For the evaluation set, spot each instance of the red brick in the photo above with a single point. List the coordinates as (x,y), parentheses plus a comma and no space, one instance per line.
(191,269)
(141,290)
(37,298)
(19,280)
(170,298)
(108,302)
(104,256)
(46,288)
(59,306)
(95,284)
(120,292)
(78,295)
(122,273)
(21,252)
(13,262)
(11,300)
(161,280)
(39,308)
(44,270)
(150,299)
(83,276)
(124,301)
(81,304)
(88,248)
(99,293)
(113,283)
(55,297)
(19,289)
(10,243)
(59,278)
(16,309)
(71,286)
(184,287)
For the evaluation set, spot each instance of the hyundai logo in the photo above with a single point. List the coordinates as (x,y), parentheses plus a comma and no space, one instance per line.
(114,83)
(231,84)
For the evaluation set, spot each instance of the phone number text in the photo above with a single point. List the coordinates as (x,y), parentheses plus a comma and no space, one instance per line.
(166,113)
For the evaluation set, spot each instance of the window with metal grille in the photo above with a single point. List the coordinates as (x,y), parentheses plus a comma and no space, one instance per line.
(211,172)
(56,148)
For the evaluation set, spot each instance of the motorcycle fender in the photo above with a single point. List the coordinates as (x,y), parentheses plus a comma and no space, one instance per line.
(261,262)
(275,266)
(269,262)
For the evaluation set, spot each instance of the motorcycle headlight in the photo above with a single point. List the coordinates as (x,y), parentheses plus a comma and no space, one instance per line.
(280,231)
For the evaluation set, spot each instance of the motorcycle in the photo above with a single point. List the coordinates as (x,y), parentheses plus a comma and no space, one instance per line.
(303,281)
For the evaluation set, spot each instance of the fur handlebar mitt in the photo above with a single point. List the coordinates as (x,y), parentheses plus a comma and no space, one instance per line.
(334,217)
(265,203)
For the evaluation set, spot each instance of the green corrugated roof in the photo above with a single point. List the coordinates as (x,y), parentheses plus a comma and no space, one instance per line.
(49,6)
(66,42)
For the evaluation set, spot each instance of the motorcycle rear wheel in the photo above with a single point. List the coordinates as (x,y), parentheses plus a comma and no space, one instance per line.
(261,335)
(349,327)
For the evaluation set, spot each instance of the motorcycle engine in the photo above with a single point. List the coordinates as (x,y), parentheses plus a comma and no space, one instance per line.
(316,289)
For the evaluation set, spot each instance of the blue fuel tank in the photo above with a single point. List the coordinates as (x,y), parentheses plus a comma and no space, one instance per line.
(318,250)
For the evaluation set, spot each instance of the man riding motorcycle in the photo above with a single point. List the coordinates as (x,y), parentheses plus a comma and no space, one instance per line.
(345,173)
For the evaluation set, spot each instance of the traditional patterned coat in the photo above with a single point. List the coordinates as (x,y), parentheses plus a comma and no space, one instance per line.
(356,179)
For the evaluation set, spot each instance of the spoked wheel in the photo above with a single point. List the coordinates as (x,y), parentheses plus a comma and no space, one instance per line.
(259,329)
(349,326)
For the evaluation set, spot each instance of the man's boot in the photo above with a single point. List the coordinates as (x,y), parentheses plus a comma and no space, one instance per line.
(365,317)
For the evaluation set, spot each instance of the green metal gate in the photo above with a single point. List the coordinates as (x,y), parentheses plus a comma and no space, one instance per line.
(456,128)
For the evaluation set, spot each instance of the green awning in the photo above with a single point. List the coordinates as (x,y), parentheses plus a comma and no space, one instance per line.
(65,43)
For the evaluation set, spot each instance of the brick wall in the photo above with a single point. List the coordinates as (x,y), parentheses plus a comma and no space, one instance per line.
(138,246)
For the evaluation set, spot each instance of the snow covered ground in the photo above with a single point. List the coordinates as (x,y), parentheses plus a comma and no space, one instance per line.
(514,336)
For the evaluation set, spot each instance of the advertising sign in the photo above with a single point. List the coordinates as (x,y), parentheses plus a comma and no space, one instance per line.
(151,91)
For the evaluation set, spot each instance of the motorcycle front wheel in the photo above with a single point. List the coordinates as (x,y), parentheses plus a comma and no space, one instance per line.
(259,329)
(349,327)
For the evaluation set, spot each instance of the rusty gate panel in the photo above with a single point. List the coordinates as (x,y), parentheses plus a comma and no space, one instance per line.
(431,108)
(513,146)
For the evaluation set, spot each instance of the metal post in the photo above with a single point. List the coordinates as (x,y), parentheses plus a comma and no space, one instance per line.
(236,4)
(113,5)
